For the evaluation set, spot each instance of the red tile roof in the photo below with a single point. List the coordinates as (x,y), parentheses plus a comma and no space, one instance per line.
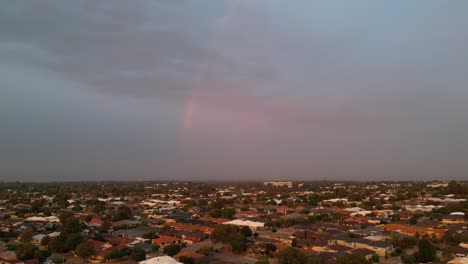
(165,239)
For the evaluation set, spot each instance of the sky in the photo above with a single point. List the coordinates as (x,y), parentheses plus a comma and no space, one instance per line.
(233,90)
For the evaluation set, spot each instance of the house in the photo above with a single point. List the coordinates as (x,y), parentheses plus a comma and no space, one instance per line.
(96,222)
(160,260)
(367,253)
(8,255)
(6,261)
(253,225)
(166,240)
(135,232)
(147,247)
(351,221)
(97,245)
(102,254)
(37,239)
(454,218)
(378,220)
(414,230)
(380,247)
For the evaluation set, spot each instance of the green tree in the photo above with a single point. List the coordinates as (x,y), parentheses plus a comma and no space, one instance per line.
(42,255)
(155,248)
(123,212)
(451,237)
(246,231)
(172,249)
(238,242)
(69,223)
(228,213)
(26,251)
(205,250)
(150,235)
(57,244)
(426,251)
(222,233)
(45,241)
(72,241)
(138,254)
(262,261)
(407,258)
(375,258)
(186,260)
(291,256)
(84,250)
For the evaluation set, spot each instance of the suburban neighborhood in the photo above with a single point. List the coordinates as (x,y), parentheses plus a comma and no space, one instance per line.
(254,223)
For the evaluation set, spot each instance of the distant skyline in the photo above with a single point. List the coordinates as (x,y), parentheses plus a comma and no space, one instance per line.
(247,90)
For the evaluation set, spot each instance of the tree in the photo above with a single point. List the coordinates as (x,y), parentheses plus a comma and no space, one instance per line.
(205,250)
(138,254)
(222,233)
(407,258)
(246,231)
(69,223)
(118,254)
(72,241)
(291,256)
(375,258)
(84,250)
(26,251)
(150,235)
(123,212)
(186,260)
(216,213)
(172,249)
(228,213)
(26,235)
(451,237)
(155,248)
(352,259)
(263,261)
(57,244)
(238,242)
(42,255)
(45,241)
(426,251)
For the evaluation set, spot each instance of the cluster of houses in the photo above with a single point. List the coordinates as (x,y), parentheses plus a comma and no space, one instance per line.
(166,214)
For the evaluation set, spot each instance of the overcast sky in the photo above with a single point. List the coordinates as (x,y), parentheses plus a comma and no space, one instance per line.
(233,90)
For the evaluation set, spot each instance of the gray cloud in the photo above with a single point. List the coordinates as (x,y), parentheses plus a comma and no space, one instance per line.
(304,90)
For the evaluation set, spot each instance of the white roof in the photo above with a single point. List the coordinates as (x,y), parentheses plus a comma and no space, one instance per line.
(52,219)
(54,234)
(35,219)
(457,213)
(245,223)
(462,260)
(161,260)
(361,213)
(354,209)
(38,237)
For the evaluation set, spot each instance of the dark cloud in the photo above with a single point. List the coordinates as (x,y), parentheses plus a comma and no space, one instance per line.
(306,89)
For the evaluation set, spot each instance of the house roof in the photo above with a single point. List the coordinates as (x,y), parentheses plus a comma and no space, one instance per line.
(413,230)
(165,239)
(161,260)
(363,251)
